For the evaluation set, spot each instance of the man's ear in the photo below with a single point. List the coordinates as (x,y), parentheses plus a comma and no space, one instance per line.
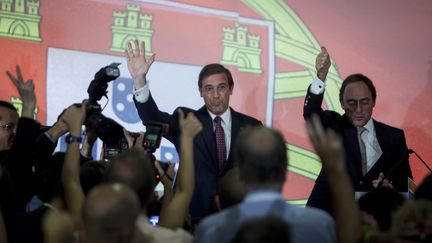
(199,90)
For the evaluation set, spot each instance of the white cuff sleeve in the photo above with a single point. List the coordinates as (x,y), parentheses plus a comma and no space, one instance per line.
(317,86)
(142,94)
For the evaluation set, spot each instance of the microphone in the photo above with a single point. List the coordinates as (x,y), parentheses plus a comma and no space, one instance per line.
(390,171)
(407,151)
(411,151)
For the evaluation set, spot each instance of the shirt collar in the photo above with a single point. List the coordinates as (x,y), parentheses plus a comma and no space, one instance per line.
(370,126)
(226,116)
(263,195)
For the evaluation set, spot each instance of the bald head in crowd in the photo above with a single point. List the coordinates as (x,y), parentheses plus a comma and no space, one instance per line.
(109,214)
(261,157)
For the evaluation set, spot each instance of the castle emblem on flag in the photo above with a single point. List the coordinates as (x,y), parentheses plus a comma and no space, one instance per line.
(19,19)
(241,49)
(131,25)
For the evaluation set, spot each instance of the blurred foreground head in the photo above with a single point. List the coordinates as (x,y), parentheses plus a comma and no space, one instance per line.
(110,212)
(261,157)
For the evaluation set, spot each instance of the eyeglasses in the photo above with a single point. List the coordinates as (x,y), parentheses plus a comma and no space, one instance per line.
(9,126)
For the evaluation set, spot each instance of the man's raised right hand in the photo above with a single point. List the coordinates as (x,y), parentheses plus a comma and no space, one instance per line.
(322,64)
(138,64)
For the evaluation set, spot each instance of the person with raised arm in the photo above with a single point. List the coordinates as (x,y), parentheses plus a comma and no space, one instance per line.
(376,153)
(221,124)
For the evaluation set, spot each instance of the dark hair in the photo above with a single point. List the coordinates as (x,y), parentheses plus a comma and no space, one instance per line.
(231,191)
(357,77)
(140,169)
(261,156)
(7,105)
(381,203)
(50,178)
(214,68)
(92,173)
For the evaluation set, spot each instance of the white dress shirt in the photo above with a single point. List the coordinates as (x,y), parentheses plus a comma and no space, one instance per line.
(143,94)
(226,125)
(373,149)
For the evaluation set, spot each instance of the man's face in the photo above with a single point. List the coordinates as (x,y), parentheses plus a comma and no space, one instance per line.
(357,103)
(8,125)
(216,93)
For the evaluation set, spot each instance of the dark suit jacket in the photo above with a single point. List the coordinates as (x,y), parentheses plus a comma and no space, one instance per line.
(393,161)
(207,174)
(30,151)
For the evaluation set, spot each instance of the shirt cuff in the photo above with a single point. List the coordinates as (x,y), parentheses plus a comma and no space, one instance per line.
(142,94)
(317,87)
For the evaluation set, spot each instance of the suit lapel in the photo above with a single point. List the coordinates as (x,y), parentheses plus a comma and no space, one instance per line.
(235,129)
(207,135)
(352,150)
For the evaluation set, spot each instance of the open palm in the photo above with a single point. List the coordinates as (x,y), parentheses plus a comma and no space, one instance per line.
(137,63)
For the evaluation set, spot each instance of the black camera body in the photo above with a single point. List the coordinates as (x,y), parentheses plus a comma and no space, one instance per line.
(152,136)
(108,130)
(151,142)
(99,85)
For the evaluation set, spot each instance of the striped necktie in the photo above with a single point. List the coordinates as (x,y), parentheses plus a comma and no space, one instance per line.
(360,130)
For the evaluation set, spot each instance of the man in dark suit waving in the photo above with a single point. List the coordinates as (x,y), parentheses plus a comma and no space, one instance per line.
(376,153)
(221,124)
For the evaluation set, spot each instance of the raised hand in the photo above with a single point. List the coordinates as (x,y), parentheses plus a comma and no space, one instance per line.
(329,147)
(26,91)
(190,126)
(322,64)
(74,117)
(167,175)
(138,64)
(327,144)
(134,140)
